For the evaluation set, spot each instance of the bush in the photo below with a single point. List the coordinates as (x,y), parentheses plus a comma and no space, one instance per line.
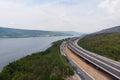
(53,76)
(46,65)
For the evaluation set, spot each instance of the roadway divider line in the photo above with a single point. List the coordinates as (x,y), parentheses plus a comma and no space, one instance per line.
(83,70)
(64,52)
(100,61)
(98,65)
(110,61)
(74,50)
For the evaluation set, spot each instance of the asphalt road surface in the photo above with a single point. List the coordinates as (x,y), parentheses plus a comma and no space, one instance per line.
(80,72)
(104,64)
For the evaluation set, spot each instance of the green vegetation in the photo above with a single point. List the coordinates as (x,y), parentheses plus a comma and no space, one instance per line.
(46,65)
(105,44)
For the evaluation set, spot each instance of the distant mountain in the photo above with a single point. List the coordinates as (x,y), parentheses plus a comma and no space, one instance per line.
(21,33)
(109,30)
(73,33)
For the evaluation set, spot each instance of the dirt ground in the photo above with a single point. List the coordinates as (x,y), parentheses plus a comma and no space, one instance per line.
(94,73)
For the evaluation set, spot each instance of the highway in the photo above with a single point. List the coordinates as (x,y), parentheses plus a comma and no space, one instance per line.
(104,64)
(82,75)
(101,58)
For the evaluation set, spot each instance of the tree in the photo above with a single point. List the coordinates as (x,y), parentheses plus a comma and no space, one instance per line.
(53,76)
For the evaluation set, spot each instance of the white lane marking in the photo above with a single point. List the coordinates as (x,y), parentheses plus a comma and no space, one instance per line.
(84,70)
(62,50)
(78,76)
(81,68)
(97,60)
(106,59)
(100,67)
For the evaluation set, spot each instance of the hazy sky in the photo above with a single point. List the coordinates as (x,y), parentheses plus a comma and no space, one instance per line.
(60,15)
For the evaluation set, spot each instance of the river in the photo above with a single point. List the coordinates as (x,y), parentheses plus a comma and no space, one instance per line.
(12,49)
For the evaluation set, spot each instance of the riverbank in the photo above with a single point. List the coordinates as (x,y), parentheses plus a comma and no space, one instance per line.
(15,48)
(46,65)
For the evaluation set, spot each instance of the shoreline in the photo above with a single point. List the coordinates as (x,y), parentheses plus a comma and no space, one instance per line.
(18,66)
(14,49)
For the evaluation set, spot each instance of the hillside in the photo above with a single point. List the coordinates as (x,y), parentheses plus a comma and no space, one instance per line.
(47,65)
(113,29)
(18,33)
(106,43)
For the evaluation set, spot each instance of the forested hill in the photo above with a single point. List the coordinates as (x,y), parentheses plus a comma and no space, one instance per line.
(105,43)
(109,30)
(46,65)
(18,33)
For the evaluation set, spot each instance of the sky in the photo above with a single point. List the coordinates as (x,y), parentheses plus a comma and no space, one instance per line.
(60,15)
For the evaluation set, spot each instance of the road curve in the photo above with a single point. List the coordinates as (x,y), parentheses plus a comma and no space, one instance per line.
(80,72)
(107,59)
(101,58)
(103,64)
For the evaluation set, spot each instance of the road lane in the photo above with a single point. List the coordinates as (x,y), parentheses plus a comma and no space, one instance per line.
(112,69)
(78,70)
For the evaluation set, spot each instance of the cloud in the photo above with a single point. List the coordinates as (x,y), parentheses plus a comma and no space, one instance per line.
(68,15)
(111,6)
(110,10)
(49,16)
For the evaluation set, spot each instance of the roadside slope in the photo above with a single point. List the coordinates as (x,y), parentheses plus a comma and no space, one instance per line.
(46,65)
(105,44)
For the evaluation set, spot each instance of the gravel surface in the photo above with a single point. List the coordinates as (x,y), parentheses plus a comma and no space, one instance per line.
(88,68)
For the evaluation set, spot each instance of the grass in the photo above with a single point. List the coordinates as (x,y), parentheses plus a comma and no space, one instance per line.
(46,65)
(105,44)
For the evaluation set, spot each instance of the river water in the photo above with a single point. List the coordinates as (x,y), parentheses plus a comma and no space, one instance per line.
(15,48)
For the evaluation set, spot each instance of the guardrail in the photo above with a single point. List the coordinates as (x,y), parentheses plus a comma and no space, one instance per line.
(115,72)
(82,75)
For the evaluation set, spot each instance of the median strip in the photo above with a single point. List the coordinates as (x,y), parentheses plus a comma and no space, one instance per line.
(96,74)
